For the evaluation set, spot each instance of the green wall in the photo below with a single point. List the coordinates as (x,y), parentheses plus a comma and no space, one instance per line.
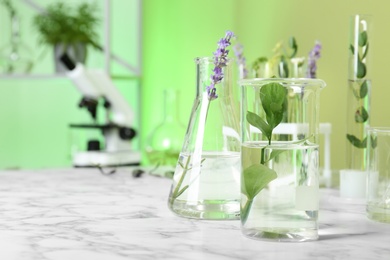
(176,31)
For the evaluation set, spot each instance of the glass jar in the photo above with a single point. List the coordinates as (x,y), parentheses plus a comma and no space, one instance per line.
(280,158)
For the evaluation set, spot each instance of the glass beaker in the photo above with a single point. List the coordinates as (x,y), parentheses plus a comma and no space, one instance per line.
(378,170)
(206,182)
(280,158)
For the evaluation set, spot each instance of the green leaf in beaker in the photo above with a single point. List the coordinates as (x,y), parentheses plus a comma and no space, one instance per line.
(356,141)
(365,51)
(273,96)
(361,115)
(255,178)
(374,142)
(363,89)
(362,39)
(259,123)
(361,69)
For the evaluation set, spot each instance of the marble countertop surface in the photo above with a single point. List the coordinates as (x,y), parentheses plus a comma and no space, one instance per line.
(71,214)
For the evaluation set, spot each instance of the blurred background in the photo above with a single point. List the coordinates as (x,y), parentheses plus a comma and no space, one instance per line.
(157,40)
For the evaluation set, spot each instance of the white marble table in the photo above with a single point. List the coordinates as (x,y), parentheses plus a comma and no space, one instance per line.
(73,214)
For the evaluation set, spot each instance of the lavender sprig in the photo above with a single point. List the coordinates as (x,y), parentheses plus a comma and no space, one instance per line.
(220,61)
(314,55)
(239,52)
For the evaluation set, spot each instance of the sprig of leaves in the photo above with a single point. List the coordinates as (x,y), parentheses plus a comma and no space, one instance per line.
(361,114)
(363,44)
(280,58)
(257,176)
(272,96)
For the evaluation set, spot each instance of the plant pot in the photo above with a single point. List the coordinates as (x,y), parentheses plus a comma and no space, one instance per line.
(77,52)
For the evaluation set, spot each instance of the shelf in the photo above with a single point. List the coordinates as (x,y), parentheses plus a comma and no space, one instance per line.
(60,76)
(32,76)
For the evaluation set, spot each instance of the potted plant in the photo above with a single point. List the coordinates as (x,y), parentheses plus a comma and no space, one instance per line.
(68,29)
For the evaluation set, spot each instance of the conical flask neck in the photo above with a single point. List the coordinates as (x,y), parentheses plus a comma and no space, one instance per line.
(205,71)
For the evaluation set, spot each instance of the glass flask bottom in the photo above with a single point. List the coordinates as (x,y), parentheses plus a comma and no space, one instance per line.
(377,212)
(282,234)
(207,209)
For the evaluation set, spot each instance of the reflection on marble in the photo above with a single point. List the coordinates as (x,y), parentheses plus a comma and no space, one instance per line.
(73,214)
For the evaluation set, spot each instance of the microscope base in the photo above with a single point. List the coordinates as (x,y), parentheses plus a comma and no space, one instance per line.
(106,159)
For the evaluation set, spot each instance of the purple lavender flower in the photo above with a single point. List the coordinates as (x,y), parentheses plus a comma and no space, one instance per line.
(220,61)
(241,61)
(314,55)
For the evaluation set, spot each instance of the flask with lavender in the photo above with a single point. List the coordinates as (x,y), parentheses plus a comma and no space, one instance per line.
(206,182)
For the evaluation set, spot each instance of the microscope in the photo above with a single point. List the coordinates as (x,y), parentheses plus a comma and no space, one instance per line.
(95,86)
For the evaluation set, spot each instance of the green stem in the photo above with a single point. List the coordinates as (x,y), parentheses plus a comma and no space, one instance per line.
(262,156)
(176,192)
(245,211)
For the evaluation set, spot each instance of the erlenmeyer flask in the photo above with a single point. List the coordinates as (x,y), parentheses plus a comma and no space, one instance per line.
(165,142)
(206,183)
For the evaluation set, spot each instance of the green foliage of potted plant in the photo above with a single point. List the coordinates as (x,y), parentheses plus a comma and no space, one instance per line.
(69,29)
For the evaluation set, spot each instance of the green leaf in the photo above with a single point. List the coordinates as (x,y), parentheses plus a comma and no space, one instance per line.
(374,142)
(292,42)
(363,39)
(352,49)
(293,45)
(361,70)
(363,89)
(262,59)
(259,123)
(273,96)
(361,115)
(273,154)
(364,143)
(256,178)
(258,61)
(356,141)
(365,51)
(181,191)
